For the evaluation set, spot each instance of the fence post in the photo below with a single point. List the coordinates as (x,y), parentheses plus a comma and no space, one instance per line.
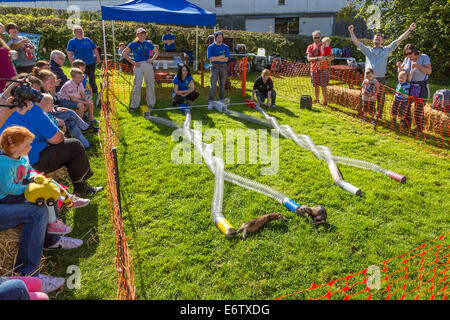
(116,176)
(244,76)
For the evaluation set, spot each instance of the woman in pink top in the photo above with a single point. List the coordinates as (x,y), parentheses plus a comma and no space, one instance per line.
(6,67)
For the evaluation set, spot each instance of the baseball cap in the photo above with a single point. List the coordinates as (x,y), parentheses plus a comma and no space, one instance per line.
(140,30)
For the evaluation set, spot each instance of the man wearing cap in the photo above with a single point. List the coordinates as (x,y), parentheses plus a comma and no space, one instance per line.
(169,41)
(218,55)
(144,53)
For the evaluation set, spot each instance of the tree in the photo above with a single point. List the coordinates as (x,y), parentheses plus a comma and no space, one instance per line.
(431,36)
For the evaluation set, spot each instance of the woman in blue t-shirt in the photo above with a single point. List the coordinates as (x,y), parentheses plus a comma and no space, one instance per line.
(144,53)
(83,48)
(183,87)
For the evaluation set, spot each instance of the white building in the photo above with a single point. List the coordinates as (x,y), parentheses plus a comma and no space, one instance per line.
(281,16)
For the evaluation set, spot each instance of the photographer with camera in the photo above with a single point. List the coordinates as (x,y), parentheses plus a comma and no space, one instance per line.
(6,102)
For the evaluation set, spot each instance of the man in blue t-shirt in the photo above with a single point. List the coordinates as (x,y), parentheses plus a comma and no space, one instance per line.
(218,55)
(50,151)
(169,41)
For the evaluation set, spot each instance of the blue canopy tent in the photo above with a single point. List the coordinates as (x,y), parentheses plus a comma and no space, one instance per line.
(180,12)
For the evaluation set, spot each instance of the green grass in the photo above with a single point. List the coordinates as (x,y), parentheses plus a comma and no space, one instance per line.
(177,251)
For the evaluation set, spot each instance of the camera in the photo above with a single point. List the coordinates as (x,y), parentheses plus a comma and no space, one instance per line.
(25,92)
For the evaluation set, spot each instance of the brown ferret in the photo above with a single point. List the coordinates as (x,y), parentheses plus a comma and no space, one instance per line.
(255,224)
(317,213)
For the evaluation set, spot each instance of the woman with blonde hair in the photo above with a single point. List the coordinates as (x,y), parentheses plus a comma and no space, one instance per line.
(263,88)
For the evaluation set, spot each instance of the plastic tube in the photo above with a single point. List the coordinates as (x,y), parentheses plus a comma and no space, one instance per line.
(216,166)
(321,152)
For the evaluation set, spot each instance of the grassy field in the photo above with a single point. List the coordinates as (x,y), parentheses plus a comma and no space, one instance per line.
(177,251)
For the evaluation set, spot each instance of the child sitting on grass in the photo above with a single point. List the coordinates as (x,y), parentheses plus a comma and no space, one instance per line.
(80,64)
(72,95)
(369,91)
(401,98)
(16,142)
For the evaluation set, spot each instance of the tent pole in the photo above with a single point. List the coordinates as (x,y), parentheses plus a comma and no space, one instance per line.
(196,49)
(105,61)
(114,42)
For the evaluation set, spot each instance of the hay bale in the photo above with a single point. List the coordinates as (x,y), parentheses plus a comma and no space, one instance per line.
(349,98)
(436,121)
(61,176)
(9,247)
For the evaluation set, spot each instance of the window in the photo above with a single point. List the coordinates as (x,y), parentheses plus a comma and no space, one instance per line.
(286,25)
(218,3)
(281,2)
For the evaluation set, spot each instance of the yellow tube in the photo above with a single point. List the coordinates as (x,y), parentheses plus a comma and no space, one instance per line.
(226,228)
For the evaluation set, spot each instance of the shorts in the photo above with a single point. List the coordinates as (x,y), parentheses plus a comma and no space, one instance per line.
(320,77)
(68,103)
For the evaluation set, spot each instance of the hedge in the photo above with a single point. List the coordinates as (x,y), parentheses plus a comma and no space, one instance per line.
(51,24)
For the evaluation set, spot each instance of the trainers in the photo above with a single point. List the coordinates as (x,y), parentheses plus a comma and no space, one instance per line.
(65,243)
(88,190)
(91,122)
(78,202)
(58,227)
(210,105)
(134,109)
(50,284)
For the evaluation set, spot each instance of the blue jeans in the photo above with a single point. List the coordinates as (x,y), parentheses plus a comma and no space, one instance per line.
(34,220)
(13,290)
(72,116)
(262,97)
(73,124)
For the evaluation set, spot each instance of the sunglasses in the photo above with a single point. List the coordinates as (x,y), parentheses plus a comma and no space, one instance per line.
(408,53)
(317,37)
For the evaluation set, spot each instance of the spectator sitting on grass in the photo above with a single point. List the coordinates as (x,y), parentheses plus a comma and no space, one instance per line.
(72,96)
(78,63)
(57,59)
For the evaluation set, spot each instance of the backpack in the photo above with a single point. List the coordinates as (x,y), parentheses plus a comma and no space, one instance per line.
(347,52)
(441,100)
(337,52)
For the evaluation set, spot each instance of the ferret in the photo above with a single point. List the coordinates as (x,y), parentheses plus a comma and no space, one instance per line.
(317,213)
(255,224)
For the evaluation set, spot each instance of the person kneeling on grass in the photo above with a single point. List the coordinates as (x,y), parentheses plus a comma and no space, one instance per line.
(183,87)
(263,87)
(72,96)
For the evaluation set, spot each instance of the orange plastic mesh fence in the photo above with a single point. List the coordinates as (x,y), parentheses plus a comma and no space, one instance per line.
(369,102)
(109,135)
(422,273)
